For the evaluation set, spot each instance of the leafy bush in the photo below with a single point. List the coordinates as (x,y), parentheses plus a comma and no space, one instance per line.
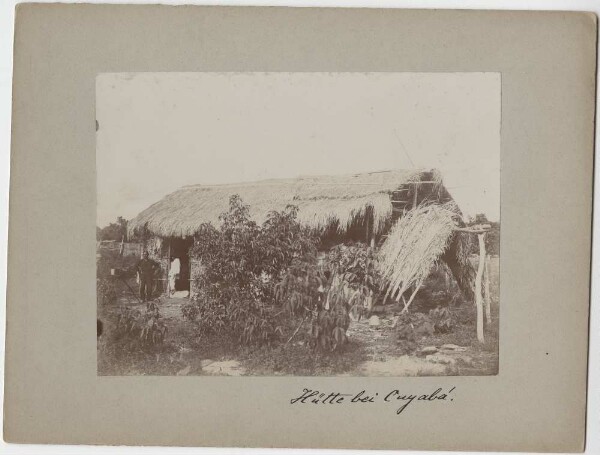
(301,286)
(355,279)
(281,240)
(344,280)
(356,262)
(328,328)
(240,260)
(146,327)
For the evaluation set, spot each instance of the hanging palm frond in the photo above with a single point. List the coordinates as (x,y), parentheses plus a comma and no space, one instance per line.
(413,246)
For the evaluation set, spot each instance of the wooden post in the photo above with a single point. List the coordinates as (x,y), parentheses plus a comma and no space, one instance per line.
(486,285)
(169,269)
(190,262)
(415,197)
(478,296)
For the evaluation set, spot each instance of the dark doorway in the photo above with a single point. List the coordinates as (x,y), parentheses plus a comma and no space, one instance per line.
(180,249)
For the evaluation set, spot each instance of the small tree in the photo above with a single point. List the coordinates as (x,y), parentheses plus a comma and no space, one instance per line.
(114,231)
(240,259)
(341,284)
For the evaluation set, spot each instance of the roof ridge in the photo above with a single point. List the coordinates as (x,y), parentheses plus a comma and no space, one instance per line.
(277,181)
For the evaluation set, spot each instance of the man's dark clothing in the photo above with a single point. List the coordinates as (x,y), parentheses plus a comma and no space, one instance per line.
(145,288)
(146,269)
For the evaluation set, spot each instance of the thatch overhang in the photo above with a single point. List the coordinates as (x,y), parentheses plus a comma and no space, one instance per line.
(322,201)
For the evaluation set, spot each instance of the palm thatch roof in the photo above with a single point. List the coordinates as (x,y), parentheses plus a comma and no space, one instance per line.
(322,201)
(420,239)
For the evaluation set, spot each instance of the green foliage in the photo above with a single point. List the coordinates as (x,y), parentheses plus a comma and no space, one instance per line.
(240,259)
(328,328)
(357,263)
(301,286)
(355,278)
(341,282)
(347,275)
(281,240)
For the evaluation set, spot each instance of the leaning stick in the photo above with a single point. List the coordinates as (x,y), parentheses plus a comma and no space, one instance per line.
(131,290)
(294,334)
(407,304)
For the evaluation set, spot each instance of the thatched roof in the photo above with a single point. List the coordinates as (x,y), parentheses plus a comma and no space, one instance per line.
(321,201)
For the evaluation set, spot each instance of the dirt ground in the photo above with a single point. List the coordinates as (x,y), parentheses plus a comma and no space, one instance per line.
(372,350)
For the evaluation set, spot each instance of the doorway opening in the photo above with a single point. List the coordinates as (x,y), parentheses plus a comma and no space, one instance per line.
(179,263)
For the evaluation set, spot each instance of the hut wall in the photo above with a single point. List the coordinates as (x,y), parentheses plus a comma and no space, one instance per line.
(456,258)
(134,249)
(155,246)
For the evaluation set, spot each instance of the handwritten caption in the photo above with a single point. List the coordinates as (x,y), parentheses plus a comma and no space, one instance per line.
(401,399)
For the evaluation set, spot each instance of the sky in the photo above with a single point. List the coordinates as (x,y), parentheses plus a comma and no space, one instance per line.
(160,131)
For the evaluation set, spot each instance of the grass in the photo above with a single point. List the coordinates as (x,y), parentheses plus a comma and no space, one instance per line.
(121,355)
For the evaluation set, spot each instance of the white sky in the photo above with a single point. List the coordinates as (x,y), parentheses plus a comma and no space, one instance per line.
(160,131)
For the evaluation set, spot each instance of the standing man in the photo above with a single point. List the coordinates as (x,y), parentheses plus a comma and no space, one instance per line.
(146,269)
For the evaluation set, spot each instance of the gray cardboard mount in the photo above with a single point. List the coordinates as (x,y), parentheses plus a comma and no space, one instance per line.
(535,403)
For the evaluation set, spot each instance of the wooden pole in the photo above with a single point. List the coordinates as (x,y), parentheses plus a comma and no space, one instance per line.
(478,296)
(407,304)
(415,197)
(169,270)
(486,284)
(480,229)
(296,331)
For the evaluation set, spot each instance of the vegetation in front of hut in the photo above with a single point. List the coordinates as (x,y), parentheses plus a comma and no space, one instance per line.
(107,288)
(184,350)
(240,260)
(270,299)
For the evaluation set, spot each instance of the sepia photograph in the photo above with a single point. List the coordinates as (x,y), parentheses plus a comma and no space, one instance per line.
(372,220)
(298,224)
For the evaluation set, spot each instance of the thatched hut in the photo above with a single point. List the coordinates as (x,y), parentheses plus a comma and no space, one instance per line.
(359,206)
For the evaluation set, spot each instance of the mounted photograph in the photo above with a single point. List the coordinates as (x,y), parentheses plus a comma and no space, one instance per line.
(298,224)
